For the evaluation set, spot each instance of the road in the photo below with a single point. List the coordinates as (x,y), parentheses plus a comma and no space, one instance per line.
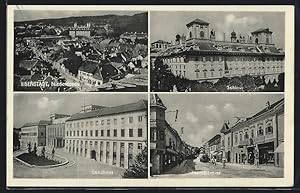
(208,170)
(78,167)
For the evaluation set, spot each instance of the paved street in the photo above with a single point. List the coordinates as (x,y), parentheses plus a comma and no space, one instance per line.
(208,170)
(78,167)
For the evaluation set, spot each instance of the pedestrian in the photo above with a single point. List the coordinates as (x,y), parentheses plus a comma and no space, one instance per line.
(224,162)
(53,152)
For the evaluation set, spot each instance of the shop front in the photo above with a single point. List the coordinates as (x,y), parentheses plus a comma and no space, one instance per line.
(266,153)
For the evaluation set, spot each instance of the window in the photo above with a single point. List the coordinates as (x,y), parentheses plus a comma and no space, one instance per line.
(77,133)
(108,122)
(115,121)
(130,119)
(108,133)
(190,34)
(140,132)
(91,133)
(140,118)
(86,133)
(202,34)
(115,133)
(67,133)
(102,122)
(91,123)
(130,132)
(42,133)
(86,124)
(246,136)
(122,120)
(260,131)
(228,141)
(236,138)
(252,133)
(241,136)
(82,124)
(96,133)
(269,129)
(102,133)
(122,132)
(140,146)
(162,135)
(96,123)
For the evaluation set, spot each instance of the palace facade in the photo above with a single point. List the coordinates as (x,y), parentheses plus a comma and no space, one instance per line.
(55,131)
(199,56)
(33,134)
(111,135)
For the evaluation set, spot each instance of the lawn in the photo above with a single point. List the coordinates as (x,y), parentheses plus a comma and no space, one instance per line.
(36,160)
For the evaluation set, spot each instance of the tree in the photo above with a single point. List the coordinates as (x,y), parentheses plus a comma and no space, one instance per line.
(29,147)
(34,149)
(139,168)
(248,83)
(281,82)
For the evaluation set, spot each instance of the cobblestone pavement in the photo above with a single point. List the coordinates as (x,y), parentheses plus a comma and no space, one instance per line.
(78,167)
(208,170)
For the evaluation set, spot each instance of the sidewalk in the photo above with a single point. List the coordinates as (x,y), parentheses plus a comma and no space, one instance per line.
(252,167)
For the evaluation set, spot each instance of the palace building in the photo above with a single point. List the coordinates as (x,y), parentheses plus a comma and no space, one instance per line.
(111,135)
(33,134)
(199,56)
(81,31)
(55,131)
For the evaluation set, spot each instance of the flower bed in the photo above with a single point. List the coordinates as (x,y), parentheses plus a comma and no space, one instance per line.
(37,160)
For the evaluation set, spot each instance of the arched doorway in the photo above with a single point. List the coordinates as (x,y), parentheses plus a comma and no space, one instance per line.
(93,154)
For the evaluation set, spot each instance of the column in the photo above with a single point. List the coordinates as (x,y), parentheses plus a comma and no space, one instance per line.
(126,155)
(111,150)
(104,152)
(118,151)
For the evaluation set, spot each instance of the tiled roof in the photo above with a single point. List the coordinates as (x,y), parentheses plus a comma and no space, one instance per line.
(258,114)
(222,47)
(137,106)
(41,122)
(198,21)
(266,30)
(161,42)
(89,67)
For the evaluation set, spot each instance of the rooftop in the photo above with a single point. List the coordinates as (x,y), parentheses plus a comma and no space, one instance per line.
(137,106)
(197,21)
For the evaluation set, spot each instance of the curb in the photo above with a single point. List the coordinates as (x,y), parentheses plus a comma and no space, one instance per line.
(48,166)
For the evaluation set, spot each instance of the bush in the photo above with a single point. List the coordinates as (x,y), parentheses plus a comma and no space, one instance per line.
(139,169)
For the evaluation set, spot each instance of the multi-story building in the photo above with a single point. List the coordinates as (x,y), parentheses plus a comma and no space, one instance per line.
(33,134)
(81,31)
(55,131)
(201,57)
(226,141)
(157,134)
(214,145)
(263,132)
(111,135)
(167,149)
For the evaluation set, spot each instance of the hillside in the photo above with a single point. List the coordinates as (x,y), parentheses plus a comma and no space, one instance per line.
(122,23)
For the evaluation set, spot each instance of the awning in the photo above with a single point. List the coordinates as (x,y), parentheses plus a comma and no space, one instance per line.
(280,148)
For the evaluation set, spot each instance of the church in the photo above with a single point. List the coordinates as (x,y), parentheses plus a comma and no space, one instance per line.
(199,56)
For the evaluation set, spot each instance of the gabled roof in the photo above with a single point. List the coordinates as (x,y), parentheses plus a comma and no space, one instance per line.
(225,128)
(28,64)
(156,101)
(198,21)
(137,106)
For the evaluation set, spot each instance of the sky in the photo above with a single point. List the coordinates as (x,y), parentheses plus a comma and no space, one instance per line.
(202,115)
(26,15)
(165,25)
(34,107)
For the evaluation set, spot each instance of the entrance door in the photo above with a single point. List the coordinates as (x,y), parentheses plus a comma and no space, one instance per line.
(93,154)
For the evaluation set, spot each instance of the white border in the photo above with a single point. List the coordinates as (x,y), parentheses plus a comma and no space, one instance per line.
(288,179)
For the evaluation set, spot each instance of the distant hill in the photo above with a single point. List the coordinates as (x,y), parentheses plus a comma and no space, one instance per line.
(122,23)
